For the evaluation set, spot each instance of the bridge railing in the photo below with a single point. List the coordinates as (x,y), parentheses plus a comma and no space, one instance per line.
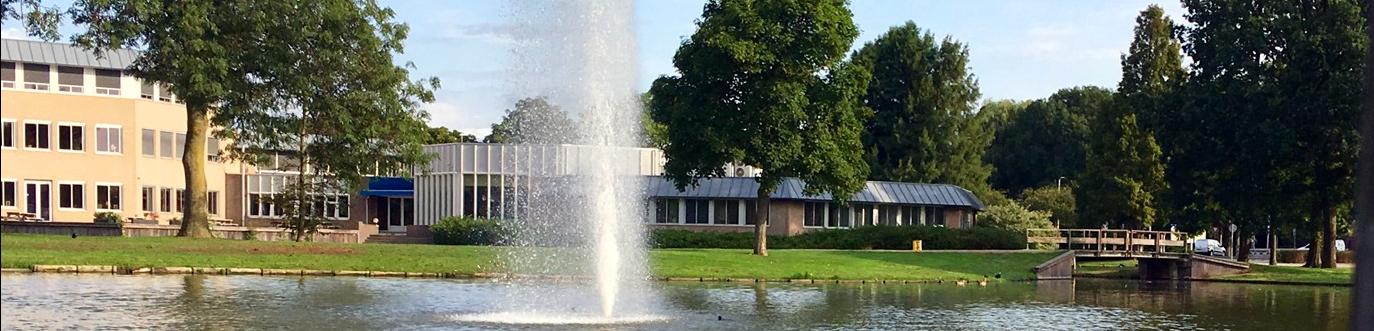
(1106,240)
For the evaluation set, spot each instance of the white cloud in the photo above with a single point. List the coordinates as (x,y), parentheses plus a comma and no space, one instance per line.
(15,33)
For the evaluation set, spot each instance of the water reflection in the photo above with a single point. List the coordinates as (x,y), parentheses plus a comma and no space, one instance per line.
(59,301)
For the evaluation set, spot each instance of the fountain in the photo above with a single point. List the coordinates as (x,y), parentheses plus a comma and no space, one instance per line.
(581,55)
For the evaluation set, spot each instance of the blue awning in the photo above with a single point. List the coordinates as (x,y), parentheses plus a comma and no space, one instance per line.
(389,187)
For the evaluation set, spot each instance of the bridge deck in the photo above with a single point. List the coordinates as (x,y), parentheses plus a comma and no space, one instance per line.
(1111,243)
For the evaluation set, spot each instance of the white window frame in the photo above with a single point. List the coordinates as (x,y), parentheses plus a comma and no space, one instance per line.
(59,137)
(119,138)
(98,185)
(18,70)
(152,199)
(58,186)
(212,200)
(35,86)
(14,204)
(115,91)
(15,130)
(24,134)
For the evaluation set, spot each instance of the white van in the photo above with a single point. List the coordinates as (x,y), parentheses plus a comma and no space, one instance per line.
(1208,246)
(1340,245)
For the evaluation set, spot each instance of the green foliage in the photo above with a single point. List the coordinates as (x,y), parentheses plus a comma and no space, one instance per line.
(655,133)
(1014,217)
(534,121)
(107,217)
(1046,140)
(1124,178)
(302,203)
(274,73)
(763,83)
(251,233)
(38,20)
(443,135)
(923,127)
(1058,201)
(455,230)
(866,237)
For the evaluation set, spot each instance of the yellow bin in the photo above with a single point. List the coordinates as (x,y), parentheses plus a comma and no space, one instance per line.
(916,245)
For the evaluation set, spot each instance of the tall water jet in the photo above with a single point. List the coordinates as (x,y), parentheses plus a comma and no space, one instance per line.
(581,56)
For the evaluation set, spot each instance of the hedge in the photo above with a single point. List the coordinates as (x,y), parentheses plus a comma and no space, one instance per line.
(867,237)
(468,231)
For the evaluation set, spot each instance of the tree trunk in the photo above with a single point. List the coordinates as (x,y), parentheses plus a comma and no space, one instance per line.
(1243,243)
(761,222)
(1314,251)
(1362,305)
(1329,236)
(195,219)
(1273,245)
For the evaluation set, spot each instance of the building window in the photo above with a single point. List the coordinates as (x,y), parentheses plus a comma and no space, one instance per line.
(887,214)
(107,81)
(181,200)
(71,79)
(37,76)
(335,207)
(751,209)
(935,216)
(108,196)
(7,193)
(698,211)
(260,205)
(863,214)
(165,199)
(109,139)
(166,143)
(71,196)
(813,214)
(163,94)
(840,216)
(726,212)
(212,149)
(180,145)
(70,137)
(212,202)
(7,74)
(147,92)
(36,135)
(7,140)
(149,200)
(665,211)
(149,143)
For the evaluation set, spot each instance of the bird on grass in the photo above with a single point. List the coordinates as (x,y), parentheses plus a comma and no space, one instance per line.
(983,282)
(961,282)
(998,275)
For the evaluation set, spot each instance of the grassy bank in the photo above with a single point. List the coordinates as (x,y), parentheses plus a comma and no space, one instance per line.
(1286,274)
(23,251)
(1258,273)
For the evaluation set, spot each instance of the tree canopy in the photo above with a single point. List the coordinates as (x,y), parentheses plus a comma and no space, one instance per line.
(763,83)
(923,98)
(272,75)
(534,121)
(1046,141)
(443,135)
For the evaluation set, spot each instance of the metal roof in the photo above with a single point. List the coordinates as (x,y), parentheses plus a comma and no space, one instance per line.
(792,189)
(42,52)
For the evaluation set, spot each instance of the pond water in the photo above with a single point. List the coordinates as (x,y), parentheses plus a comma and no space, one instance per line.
(69,301)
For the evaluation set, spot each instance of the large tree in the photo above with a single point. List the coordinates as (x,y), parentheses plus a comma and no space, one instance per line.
(1362,305)
(1125,175)
(1046,143)
(534,121)
(923,98)
(444,135)
(763,83)
(314,75)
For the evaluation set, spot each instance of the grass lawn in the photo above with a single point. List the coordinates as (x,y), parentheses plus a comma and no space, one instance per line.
(23,251)
(1264,272)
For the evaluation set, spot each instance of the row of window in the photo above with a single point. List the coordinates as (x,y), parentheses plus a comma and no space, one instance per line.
(73,80)
(701,211)
(109,139)
(832,215)
(331,206)
(71,137)
(72,196)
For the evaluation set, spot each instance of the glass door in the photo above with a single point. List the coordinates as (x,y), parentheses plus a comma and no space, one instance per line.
(39,198)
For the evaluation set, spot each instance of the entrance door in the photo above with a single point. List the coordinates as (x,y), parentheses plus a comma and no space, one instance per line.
(39,198)
(397,213)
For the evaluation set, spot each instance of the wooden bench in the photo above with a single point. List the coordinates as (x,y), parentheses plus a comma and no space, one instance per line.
(20,216)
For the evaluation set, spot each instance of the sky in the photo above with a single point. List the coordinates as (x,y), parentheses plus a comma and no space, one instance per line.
(1018,49)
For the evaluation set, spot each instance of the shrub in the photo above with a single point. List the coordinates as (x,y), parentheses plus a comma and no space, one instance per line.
(106,217)
(1015,217)
(866,237)
(468,231)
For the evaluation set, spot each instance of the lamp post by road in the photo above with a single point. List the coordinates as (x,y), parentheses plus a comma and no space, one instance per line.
(1059,183)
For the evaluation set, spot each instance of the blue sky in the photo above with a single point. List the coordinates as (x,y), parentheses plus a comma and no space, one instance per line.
(1018,49)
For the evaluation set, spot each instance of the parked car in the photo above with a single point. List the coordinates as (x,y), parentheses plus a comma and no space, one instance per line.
(1340,245)
(1209,246)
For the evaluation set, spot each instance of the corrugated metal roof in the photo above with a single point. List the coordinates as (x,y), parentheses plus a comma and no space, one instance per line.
(42,52)
(792,189)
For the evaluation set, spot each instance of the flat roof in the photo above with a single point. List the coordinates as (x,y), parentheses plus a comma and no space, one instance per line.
(792,189)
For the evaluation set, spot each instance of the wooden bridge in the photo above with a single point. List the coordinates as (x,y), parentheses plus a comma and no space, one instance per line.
(1150,249)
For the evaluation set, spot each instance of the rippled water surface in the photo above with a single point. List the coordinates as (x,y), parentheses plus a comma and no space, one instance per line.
(66,301)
